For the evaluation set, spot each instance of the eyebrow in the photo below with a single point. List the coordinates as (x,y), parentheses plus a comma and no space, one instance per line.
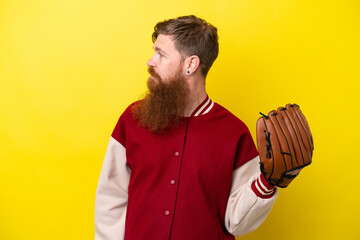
(159,50)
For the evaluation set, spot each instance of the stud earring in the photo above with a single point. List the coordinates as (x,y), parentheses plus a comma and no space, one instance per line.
(188,72)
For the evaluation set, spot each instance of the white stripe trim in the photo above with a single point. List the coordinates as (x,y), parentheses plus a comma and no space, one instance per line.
(209,108)
(261,191)
(263,186)
(203,106)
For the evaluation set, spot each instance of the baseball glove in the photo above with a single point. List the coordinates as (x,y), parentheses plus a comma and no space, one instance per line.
(284,143)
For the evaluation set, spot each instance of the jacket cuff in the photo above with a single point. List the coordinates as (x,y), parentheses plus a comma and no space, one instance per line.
(262,188)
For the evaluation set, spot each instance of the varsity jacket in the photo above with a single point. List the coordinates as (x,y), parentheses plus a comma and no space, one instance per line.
(200,180)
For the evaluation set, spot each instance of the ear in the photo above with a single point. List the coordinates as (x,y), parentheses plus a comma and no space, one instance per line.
(191,64)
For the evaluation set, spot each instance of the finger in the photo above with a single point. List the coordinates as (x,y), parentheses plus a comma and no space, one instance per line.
(294,172)
(304,126)
(299,149)
(269,149)
(286,145)
(303,137)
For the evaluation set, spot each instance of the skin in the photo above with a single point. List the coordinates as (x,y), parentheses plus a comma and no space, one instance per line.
(167,60)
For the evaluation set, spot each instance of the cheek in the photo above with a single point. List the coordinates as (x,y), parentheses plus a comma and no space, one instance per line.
(176,70)
(168,71)
(164,72)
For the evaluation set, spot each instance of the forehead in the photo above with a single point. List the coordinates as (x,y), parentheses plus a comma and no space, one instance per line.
(165,43)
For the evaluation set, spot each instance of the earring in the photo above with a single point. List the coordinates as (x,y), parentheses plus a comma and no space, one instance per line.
(188,72)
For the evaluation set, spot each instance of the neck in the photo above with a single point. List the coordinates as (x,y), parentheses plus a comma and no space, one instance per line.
(196,97)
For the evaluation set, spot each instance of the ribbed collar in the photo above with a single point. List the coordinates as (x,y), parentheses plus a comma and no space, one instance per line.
(203,108)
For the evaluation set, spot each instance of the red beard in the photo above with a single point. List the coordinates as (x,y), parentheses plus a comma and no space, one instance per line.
(164,105)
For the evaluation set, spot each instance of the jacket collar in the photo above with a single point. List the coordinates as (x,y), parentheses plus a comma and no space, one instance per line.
(203,108)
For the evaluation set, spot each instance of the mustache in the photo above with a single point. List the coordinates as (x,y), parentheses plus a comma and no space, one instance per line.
(153,73)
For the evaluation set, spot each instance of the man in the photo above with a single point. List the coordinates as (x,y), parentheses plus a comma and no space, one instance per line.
(179,166)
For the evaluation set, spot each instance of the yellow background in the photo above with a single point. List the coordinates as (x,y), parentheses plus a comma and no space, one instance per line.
(68,68)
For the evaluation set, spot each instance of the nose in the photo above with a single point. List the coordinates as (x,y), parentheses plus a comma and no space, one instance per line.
(151,62)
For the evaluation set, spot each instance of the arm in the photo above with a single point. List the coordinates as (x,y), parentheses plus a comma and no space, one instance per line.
(250,201)
(112,194)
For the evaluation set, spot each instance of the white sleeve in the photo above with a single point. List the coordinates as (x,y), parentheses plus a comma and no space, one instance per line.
(112,194)
(246,211)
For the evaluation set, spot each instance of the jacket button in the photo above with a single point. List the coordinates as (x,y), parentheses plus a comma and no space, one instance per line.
(172,182)
(167,213)
(177,154)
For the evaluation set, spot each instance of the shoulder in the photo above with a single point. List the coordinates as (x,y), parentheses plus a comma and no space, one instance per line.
(129,109)
(125,121)
(235,130)
(224,115)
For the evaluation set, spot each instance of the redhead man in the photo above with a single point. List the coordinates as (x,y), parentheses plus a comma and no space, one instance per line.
(178,165)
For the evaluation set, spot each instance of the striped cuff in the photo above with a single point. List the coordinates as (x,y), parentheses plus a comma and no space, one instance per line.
(262,188)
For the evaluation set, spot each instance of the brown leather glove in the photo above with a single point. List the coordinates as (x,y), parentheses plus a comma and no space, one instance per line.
(284,143)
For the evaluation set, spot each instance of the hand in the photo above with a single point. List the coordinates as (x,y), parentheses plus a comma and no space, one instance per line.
(285,144)
(294,172)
